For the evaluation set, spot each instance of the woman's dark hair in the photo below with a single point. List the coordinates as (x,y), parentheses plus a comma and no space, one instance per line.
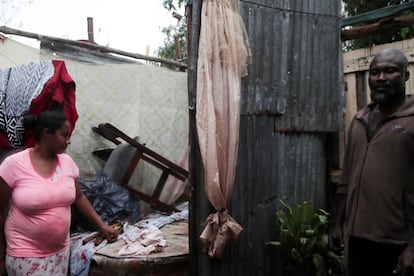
(50,120)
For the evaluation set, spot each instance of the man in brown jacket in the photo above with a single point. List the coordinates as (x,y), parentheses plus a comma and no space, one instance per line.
(377,190)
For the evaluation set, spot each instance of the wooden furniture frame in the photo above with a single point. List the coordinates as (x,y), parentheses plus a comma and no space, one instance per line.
(143,153)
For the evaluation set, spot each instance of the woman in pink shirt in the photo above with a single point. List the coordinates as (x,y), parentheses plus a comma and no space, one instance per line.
(41,185)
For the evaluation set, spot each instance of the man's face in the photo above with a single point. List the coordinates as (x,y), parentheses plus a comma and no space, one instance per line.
(387,77)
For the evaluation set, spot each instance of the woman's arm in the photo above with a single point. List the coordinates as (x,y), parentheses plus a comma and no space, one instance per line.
(84,206)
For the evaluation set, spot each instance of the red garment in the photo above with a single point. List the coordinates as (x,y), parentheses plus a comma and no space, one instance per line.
(60,89)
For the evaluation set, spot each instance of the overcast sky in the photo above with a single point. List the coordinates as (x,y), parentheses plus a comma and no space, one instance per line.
(128,25)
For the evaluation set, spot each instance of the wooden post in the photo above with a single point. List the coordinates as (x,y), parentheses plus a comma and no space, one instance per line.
(189,12)
(178,51)
(90,30)
(177,48)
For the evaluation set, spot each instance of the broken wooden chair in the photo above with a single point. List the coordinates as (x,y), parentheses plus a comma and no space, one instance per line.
(139,152)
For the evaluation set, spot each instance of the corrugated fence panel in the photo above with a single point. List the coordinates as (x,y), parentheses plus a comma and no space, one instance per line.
(296,63)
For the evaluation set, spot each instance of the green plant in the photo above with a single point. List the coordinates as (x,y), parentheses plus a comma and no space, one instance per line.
(303,233)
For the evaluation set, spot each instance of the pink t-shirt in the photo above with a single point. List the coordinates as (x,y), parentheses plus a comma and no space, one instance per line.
(38,222)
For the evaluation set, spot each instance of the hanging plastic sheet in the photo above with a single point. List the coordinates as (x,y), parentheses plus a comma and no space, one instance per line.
(224,54)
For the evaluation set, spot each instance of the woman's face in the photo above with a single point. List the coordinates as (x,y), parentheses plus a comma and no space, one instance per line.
(60,139)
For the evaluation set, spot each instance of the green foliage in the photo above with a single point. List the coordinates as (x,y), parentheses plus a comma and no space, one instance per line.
(168,50)
(355,7)
(172,5)
(304,237)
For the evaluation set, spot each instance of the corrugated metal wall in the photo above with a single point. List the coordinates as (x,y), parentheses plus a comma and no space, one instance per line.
(296,51)
(291,99)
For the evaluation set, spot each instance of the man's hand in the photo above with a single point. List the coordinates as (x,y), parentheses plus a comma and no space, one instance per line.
(336,240)
(405,266)
(336,236)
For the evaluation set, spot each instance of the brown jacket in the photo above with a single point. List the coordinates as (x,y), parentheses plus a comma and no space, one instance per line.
(378,178)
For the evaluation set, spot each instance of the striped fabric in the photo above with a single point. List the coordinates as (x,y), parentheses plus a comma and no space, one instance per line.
(18,87)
